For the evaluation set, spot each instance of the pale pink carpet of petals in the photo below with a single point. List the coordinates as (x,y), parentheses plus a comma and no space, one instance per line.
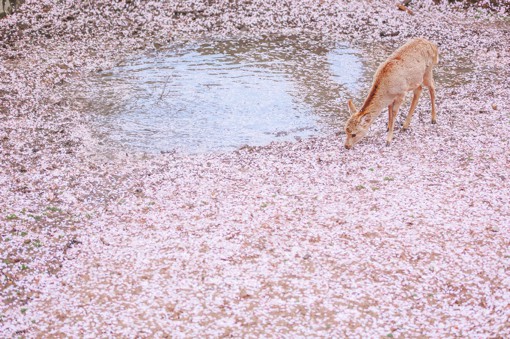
(295,239)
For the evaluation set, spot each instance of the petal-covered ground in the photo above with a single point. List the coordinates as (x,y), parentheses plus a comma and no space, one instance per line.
(291,239)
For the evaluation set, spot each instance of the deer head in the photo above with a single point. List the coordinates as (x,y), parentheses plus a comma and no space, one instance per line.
(357,125)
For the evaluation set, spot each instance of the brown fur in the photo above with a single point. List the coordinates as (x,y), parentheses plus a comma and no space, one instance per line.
(407,69)
(370,97)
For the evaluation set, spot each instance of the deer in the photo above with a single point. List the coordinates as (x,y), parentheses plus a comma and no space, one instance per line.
(409,68)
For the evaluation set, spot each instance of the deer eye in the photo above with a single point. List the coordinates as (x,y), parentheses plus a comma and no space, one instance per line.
(353,135)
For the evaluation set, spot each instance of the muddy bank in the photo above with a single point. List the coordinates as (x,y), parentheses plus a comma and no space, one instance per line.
(290,239)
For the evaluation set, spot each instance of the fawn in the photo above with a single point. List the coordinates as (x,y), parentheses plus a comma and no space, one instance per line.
(407,69)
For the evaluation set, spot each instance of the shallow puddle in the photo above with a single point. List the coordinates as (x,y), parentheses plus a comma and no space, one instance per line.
(221,95)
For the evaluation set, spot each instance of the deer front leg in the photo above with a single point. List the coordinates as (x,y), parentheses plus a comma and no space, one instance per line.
(417,93)
(390,113)
(394,111)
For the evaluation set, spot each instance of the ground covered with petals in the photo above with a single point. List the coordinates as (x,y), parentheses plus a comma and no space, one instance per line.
(291,239)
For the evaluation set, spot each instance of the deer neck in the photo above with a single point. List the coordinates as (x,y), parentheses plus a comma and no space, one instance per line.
(373,105)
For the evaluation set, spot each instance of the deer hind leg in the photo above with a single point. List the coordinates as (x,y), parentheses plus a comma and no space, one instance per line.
(417,93)
(428,81)
(394,111)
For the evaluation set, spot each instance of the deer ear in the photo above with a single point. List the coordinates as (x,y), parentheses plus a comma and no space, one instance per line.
(351,106)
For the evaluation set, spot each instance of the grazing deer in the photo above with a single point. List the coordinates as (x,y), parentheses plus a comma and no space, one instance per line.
(407,69)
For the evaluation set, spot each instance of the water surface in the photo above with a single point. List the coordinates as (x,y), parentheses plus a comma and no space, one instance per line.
(221,95)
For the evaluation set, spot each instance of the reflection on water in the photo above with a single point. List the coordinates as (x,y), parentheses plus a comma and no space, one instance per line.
(221,95)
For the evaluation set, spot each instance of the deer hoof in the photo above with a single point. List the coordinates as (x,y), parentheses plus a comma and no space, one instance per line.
(388,143)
